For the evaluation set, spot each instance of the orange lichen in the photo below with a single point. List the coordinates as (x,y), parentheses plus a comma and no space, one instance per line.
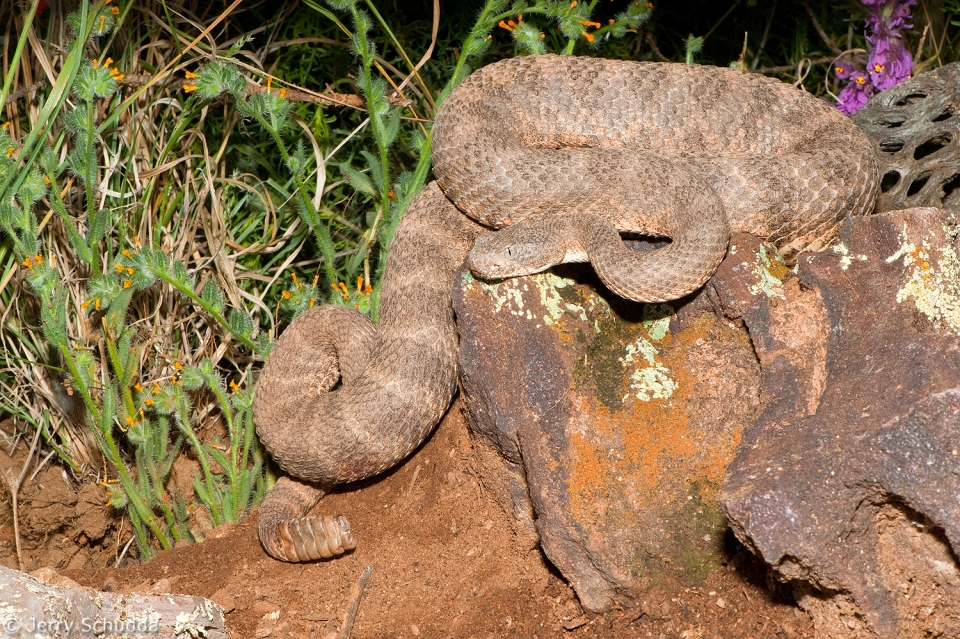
(651,449)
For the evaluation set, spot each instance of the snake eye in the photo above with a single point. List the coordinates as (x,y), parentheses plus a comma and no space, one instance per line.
(509,252)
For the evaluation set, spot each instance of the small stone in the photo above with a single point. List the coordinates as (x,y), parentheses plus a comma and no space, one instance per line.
(415,629)
(161,587)
(665,610)
(265,608)
(52,577)
(225,599)
(267,624)
(576,622)
(721,602)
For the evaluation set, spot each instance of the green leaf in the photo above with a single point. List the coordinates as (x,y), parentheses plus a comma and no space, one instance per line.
(178,273)
(212,296)
(358,180)
(98,226)
(219,457)
(264,345)
(391,127)
(53,320)
(376,171)
(156,260)
(240,323)
(192,378)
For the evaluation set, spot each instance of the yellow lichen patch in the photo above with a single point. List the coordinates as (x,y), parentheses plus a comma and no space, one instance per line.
(549,286)
(769,268)
(933,278)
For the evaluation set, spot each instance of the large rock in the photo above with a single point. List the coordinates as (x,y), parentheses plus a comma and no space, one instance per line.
(849,482)
(608,425)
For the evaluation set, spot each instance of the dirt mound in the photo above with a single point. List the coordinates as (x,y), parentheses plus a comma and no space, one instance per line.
(447,564)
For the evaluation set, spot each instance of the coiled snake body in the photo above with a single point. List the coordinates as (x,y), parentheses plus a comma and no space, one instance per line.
(567,153)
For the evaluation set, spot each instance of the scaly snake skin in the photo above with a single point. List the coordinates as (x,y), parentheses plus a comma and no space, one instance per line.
(571,147)
(570,152)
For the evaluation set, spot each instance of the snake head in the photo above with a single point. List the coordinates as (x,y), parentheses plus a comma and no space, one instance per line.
(521,249)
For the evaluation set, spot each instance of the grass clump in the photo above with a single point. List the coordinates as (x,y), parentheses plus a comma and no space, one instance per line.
(107,320)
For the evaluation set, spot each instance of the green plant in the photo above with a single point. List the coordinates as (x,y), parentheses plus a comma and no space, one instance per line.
(91,281)
(373,171)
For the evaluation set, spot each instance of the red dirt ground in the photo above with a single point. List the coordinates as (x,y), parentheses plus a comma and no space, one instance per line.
(446,564)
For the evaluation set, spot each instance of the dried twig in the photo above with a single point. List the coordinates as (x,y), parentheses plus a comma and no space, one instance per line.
(823,34)
(792,67)
(653,47)
(19,93)
(416,473)
(15,484)
(346,628)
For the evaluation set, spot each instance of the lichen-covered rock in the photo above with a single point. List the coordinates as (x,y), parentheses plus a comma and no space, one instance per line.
(848,482)
(613,423)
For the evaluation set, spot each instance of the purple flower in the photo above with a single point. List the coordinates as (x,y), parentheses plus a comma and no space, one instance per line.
(843,69)
(889,62)
(888,17)
(856,94)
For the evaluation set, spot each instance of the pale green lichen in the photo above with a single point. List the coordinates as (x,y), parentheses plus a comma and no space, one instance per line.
(934,284)
(846,257)
(506,295)
(651,379)
(548,285)
(764,267)
(656,320)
